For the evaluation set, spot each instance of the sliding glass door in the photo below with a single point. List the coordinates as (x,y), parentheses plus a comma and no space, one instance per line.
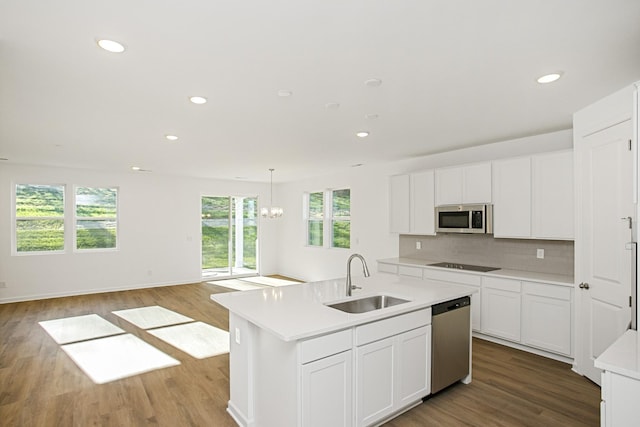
(229,236)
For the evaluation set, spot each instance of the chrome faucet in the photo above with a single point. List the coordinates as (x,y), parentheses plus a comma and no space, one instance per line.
(365,270)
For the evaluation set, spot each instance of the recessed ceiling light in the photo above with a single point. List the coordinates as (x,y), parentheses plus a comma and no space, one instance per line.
(171,137)
(332,105)
(373,82)
(283,93)
(198,100)
(371,116)
(135,168)
(362,134)
(111,46)
(549,78)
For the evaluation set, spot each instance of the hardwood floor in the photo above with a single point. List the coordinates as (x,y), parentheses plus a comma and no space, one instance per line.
(41,386)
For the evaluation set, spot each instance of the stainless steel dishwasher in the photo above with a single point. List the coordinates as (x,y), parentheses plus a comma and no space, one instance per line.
(450,342)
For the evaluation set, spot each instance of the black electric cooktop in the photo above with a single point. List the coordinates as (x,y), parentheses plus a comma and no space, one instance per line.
(468,267)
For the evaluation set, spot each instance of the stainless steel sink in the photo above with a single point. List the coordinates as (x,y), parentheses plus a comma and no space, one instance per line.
(363,305)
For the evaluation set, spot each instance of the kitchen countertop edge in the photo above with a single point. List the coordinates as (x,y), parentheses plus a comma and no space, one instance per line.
(623,356)
(556,279)
(296,312)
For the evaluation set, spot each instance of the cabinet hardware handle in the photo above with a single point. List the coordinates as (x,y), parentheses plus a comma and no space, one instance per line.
(583,285)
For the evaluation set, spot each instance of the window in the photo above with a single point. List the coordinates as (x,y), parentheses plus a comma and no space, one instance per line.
(315,219)
(328,213)
(341,219)
(96,218)
(39,218)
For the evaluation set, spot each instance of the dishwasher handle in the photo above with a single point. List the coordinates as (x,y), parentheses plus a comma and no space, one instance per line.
(450,305)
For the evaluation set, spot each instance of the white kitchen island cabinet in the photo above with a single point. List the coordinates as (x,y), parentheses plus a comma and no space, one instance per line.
(294,361)
(327,392)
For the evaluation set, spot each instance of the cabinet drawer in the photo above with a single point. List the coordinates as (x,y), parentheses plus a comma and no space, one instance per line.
(548,291)
(392,326)
(387,268)
(326,345)
(404,270)
(508,285)
(448,276)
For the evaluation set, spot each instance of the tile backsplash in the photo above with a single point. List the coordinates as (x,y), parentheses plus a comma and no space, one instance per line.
(516,254)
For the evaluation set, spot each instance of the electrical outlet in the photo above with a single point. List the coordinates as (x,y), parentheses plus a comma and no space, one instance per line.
(418,245)
(540,254)
(237,335)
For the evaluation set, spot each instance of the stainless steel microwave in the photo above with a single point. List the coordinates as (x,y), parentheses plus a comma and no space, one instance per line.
(464,219)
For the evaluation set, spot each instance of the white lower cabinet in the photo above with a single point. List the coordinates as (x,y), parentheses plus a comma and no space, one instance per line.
(327,391)
(376,377)
(393,370)
(530,313)
(501,308)
(546,317)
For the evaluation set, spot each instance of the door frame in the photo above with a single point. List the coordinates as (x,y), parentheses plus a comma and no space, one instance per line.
(609,112)
(231,237)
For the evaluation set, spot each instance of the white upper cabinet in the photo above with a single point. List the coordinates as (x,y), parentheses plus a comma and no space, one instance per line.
(463,184)
(422,215)
(512,198)
(553,195)
(411,203)
(533,196)
(399,200)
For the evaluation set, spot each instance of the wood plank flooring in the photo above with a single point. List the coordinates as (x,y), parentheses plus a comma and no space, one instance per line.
(41,386)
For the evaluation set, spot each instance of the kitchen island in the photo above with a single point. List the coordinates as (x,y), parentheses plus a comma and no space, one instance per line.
(295,361)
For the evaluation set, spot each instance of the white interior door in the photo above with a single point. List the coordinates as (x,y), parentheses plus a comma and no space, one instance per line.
(605,258)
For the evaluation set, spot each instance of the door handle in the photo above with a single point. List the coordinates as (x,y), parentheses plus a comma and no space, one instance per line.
(629,220)
(583,285)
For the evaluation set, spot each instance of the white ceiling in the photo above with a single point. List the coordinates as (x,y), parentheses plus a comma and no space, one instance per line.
(455,73)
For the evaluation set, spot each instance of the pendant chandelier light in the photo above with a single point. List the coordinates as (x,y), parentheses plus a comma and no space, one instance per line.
(272,211)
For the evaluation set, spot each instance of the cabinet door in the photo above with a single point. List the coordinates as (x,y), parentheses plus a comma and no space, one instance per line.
(326,391)
(512,198)
(476,183)
(552,216)
(448,186)
(414,366)
(546,317)
(399,201)
(501,308)
(422,218)
(375,378)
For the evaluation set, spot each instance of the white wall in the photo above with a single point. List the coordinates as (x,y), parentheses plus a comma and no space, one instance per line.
(151,202)
(159,234)
(369,206)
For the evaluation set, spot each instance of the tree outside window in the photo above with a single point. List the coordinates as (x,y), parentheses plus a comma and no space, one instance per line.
(315,219)
(39,218)
(328,213)
(341,219)
(96,218)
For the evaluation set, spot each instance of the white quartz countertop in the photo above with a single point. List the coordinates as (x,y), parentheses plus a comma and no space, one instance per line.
(623,356)
(298,311)
(556,279)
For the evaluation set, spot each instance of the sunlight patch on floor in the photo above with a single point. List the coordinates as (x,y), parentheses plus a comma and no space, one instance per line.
(197,339)
(152,317)
(79,328)
(113,358)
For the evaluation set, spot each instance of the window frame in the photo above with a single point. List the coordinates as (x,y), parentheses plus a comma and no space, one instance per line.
(15,219)
(77,218)
(328,218)
(333,218)
(308,219)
